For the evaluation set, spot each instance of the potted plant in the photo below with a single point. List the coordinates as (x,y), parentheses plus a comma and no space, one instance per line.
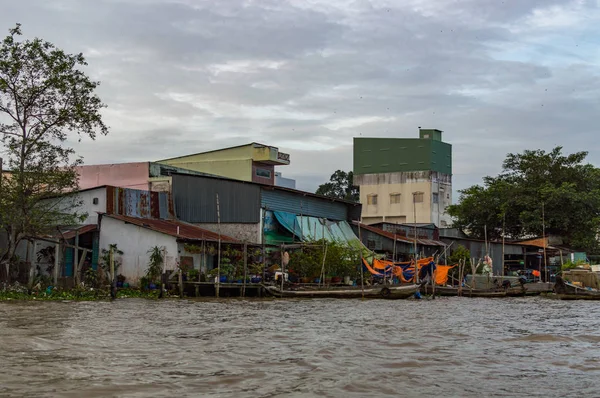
(120,280)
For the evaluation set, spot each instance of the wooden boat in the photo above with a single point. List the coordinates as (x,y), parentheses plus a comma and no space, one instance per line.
(568,291)
(378,291)
(467,292)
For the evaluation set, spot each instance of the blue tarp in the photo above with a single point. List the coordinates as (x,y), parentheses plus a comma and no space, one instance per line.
(289,222)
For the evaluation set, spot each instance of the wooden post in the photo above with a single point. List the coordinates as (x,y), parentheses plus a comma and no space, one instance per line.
(76,259)
(393,255)
(362,279)
(29,262)
(264,251)
(323,266)
(416,277)
(56,255)
(503,226)
(282,250)
(163,275)
(433,282)
(219,250)
(180,282)
(81,261)
(113,293)
(461,269)
(245,268)
(544,237)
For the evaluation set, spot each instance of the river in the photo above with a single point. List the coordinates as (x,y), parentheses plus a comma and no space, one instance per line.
(451,347)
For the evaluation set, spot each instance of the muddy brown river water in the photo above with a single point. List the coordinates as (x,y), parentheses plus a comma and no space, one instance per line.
(448,347)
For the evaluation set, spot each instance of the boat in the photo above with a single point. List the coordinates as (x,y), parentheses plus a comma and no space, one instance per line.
(377,291)
(569,291)
(468,292)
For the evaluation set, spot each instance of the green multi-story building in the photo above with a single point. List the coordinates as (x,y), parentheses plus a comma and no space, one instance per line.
(399,177)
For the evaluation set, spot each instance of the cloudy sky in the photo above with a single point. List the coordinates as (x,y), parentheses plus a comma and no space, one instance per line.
(186,76)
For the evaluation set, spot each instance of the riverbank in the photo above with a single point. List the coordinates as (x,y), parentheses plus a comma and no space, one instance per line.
(20,293)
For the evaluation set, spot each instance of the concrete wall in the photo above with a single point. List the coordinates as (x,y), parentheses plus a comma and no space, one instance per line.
(239,169)
(243,232)
(385,186)
(87,204)
(135,242)
(281,181)
(124,175)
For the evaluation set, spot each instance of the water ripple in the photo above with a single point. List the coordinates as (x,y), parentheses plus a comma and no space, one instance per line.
(451,347)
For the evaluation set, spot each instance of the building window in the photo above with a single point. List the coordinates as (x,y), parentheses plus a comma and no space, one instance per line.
(394,198)
(447,196)
(263,173)
(372,199)
(418,197)
(435,198)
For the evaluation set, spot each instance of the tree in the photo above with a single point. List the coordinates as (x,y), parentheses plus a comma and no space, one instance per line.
(44,97)
(340,187)
(533,186)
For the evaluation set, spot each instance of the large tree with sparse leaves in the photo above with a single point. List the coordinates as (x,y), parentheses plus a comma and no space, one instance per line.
(45,98)
(536,190)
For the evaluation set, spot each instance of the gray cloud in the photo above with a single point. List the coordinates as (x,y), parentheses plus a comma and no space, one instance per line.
(308,76)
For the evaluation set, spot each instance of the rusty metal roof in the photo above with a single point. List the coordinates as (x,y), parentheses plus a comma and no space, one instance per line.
(177,229)
(400,238)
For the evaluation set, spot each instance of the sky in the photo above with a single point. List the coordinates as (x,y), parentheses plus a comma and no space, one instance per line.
(187,76)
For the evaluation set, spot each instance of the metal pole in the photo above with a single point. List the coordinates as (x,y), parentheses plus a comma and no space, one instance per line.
(219,249)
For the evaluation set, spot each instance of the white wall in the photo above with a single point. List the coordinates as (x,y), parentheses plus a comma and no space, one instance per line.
(135,242)
(87,205)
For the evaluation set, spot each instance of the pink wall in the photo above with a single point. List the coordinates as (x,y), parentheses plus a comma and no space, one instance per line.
(124,175)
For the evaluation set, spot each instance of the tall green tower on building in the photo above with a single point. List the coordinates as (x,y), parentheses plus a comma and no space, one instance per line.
(399,177)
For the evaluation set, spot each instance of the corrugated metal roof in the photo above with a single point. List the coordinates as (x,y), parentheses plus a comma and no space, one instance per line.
(424,242)
(174,228)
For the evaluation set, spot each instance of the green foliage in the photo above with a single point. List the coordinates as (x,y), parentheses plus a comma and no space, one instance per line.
(570,265)
(44,96)
(155,265)
(340,260)
(566,188)
(458,254)
(340,186)
(90,278)
(105,259)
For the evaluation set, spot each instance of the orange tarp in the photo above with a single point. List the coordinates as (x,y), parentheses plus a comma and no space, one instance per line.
(381,264)
(441,274)
(371,270)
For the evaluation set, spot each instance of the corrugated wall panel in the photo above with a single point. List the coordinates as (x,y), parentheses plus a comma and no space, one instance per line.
(138,203)
(305,205)
(195,200)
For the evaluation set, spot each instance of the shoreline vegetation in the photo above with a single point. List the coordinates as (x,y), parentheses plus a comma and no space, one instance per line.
(21,293)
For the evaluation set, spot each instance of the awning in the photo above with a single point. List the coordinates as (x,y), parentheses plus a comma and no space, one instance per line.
(70,233)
